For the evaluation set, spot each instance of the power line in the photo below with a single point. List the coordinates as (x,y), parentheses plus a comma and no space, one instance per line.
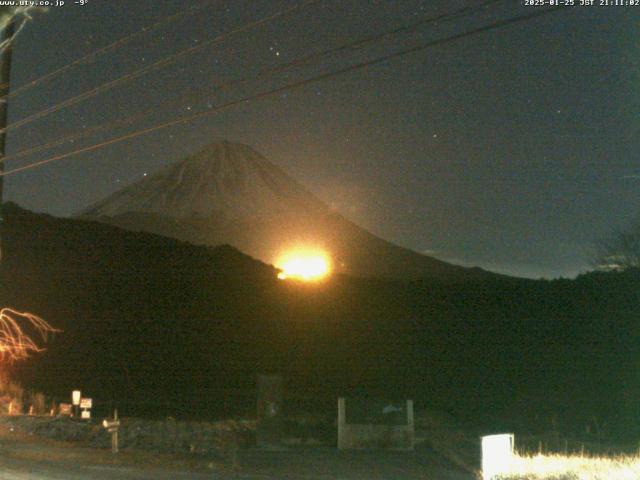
(294,85)
(412,26)
(78,135)
(108,48)
(155,66)
(359,43)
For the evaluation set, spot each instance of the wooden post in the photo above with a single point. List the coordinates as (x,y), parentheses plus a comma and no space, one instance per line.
(342,421)
(112,427)
(5,80)
(410,424)
(114,434)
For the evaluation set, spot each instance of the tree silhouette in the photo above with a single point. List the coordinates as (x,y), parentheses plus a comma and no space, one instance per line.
(620,251)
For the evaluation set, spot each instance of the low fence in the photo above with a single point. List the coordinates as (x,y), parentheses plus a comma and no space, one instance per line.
(375,424)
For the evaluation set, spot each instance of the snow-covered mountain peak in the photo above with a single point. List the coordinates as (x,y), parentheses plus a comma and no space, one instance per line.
(228,179)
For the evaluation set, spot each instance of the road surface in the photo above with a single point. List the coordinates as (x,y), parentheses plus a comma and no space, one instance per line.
(24,457)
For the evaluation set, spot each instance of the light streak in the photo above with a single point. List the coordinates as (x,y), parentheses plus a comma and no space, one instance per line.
(15,344)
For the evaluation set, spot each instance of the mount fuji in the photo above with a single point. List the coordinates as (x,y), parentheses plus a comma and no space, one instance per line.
(230,194)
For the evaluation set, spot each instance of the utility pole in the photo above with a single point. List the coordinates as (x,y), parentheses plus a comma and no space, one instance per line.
(5,81)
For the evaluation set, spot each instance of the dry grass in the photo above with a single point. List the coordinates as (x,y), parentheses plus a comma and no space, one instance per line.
(573,467)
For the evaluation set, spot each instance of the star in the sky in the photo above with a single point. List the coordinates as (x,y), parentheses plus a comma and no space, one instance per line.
(274,49)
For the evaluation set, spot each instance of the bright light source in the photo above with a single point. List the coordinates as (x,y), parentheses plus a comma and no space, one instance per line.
(497,455)
(307,265)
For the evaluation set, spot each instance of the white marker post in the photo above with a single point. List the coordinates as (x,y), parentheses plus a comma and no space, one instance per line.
(75,401)
(497,455)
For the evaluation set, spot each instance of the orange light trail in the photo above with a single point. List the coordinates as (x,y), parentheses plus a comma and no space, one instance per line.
(15,344)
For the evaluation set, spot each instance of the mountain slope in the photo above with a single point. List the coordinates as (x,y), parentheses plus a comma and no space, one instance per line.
(230,194)
(163,327)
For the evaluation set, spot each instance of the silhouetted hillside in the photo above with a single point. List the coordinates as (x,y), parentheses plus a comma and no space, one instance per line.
(160,322)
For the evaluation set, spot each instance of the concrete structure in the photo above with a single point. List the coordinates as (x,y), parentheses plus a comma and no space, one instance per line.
(398,435)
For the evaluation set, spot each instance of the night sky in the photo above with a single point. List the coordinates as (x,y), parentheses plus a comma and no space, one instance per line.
(513,149)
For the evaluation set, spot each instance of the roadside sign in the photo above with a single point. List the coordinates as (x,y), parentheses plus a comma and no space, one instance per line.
(85,414)
(86,403)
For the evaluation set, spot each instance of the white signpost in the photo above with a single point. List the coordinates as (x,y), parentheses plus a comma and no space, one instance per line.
(85,406)
(497,455)
(75,401)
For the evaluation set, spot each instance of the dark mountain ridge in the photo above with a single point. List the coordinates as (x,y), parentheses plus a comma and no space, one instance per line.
(149,321)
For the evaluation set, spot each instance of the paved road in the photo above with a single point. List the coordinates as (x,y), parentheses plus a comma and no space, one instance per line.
(33,460)
(13,469)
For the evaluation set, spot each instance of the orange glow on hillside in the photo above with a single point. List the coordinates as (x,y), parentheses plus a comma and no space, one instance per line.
(307,265)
